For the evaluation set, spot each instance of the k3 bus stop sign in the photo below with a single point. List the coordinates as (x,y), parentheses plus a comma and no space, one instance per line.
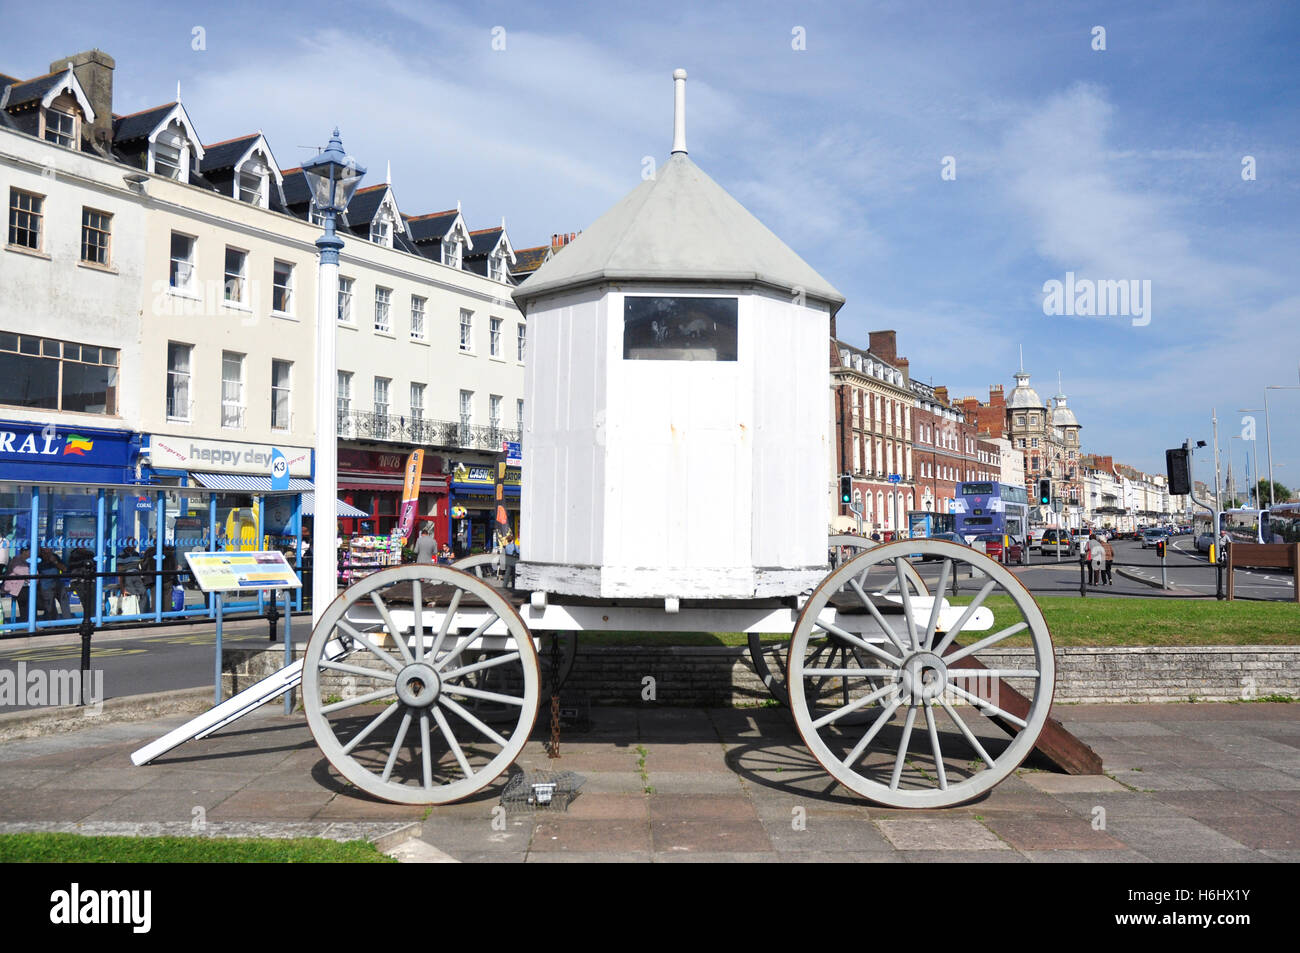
(223,572)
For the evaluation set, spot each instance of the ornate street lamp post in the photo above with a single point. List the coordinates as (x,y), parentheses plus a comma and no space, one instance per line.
(333,176)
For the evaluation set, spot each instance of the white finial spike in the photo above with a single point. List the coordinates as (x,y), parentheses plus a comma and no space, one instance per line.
(679,111)
(1022,357)
(503,223)
(458,205)
(178,90)
(388,173)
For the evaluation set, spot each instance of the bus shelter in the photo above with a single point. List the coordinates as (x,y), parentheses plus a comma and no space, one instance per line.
(134,539)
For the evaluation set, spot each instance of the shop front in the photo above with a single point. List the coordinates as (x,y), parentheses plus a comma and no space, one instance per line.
(372,481)
(46,455)
(473,504)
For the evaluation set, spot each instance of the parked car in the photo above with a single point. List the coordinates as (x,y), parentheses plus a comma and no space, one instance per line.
(947,538)
(992,546)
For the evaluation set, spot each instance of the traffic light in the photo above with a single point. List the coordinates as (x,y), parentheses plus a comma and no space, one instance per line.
(846,488)
(1044,492)
(1179,471)
(1160,548)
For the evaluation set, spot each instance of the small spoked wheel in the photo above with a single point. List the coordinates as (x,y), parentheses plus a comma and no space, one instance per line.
(483,566)
(771,659)
(932,676)
(393,674)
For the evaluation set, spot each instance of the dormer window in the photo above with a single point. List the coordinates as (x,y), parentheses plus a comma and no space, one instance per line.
(251,181)
(316,215)
(61,128)
(381,231)
(451,253)
(497,266)
(171,155)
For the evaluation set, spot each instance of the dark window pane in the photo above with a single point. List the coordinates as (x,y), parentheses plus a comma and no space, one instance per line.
(8,342)
(29,381)
(679,329)
(89,389)
(30,345)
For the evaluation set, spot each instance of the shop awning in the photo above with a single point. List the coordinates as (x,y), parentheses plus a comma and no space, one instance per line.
(365,481)
(260,484)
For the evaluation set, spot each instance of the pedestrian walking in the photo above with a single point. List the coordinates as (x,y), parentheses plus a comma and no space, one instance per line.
(509,559)
(426,546)
(15,584)
(1106,578)
(1097,560)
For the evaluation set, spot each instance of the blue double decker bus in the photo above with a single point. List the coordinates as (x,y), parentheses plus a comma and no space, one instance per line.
(986,507)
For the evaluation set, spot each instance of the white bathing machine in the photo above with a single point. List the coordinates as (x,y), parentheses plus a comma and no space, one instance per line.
(675,446)
(676,424)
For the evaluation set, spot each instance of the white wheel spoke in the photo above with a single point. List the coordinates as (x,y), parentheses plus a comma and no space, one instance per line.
(359,700)
(852,672)
(454,706)
(852,639)
(902,748)
(480,694)
(376,673)
(446,622)
(418,604)
(965,616)
(907,604)
(992,673)
(371,646)
(965,730)
(364,733)
(934,746)
(988,707)
(984,643)
(465,643)
(880,722)
(862,702)
(397,745)
(391,626)
(452,743)
(875,613)
(478,666)
(938,602)
(426,765)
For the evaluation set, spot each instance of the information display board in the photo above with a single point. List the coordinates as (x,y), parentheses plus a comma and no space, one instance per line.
(222,572)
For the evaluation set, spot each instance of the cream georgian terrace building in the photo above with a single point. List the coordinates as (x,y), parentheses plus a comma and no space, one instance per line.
(872,411)
(192,265)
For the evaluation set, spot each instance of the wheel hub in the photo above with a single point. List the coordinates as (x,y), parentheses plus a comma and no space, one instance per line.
(418,685)
(924,678)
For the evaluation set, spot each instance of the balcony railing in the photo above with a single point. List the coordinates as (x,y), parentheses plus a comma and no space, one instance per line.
(424,431)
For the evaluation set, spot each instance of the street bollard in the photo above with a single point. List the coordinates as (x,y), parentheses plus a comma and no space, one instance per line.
(1083,575)
(83,582)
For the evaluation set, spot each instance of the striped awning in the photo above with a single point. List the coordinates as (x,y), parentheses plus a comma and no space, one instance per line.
(260,484)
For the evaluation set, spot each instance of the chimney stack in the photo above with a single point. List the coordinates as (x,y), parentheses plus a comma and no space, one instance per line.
(94,71)
(884,345)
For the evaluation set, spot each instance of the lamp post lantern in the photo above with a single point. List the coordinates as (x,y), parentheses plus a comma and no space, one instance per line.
(333,177)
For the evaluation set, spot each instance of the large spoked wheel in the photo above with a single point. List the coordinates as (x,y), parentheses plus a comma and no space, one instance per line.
(940,712)
(394,671)
(772,659)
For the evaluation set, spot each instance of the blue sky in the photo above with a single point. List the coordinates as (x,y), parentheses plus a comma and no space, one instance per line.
(1117,164)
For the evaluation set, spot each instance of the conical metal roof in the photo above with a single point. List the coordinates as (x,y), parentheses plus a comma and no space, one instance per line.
(679,225)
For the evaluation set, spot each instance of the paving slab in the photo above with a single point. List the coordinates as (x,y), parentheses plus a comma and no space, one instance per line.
(939,835)
(962,857)
(1121,856)
(1026,832)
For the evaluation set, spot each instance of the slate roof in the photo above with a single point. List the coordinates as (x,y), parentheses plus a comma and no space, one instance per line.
(678,225)
(7,80)
(484,241)
(224,155)
(139,125)
(365,203)
(296,189)
(1024,396)
(33,89)
(431,227)
(528,260)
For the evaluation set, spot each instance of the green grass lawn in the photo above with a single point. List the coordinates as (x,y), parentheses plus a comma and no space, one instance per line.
(1077,621)
(78,849)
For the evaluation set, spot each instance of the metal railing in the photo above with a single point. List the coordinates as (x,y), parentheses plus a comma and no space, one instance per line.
(423,430)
